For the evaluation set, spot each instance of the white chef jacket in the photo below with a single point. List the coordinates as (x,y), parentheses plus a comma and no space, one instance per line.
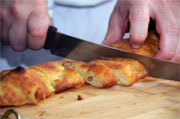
(88,21)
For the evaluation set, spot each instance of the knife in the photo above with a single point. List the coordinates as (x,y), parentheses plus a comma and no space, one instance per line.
(74,48)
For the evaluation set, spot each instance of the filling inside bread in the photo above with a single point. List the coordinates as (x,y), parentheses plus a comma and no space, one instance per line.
(93,80)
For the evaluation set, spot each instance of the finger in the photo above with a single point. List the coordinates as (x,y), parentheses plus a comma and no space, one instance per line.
(139,20)
(117,25)
(17,36)
(174,4)
(176,57)
(18,29)
(167,27)
(38,23)
(6,22)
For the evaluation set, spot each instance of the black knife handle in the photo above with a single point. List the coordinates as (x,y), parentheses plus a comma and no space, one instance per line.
(50,35)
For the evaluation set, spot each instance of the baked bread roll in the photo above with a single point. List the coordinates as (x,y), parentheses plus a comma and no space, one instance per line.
(149,48)
(33,84)
(137,66)
(95,74)
(123,72)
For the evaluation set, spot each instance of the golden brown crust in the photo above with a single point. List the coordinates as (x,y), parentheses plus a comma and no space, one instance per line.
(27,83)
(70,79)
(51,70)
(5,72)
(104,74)
(139,68)
(123,67)
(6,94)
(79,66)
(149,48)
(33,84)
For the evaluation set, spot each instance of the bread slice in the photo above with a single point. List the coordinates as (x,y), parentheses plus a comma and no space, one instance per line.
(95,74)
(70,79)
(137,66)
(51,70)
(124,73)
(78,66)
(59,78)
(99,75)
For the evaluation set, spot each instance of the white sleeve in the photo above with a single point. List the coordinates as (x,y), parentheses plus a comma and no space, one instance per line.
(80,3)
(50,4)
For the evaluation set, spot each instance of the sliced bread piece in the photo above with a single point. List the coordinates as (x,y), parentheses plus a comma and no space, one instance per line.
(70,79)
(51,70)
(59,77)
(124,73)
(137,66)
(95,74)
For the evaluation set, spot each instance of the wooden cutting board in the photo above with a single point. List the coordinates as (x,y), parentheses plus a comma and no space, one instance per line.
(147,99)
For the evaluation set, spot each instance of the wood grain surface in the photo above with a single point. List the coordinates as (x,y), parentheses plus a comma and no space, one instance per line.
(149,98)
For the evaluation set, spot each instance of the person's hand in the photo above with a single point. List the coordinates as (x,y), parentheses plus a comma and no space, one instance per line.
(137,14)
(24,23)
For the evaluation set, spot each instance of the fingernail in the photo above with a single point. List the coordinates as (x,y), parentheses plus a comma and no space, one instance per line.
(136,46)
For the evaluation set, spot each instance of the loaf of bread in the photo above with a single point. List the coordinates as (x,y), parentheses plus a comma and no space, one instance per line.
(149,48)
(33,84)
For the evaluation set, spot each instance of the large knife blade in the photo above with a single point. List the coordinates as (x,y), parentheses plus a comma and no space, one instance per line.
(77,49)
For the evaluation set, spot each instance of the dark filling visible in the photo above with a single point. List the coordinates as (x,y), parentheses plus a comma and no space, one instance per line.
(90,78)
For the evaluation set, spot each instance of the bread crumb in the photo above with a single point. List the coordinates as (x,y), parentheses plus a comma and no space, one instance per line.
(80,97)
(61,96)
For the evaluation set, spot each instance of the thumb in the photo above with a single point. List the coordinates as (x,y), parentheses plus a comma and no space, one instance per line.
(38,24)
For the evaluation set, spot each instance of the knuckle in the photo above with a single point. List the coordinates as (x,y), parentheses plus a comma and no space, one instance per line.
(38,32)
(138,15)
(17,12)
(172,28)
